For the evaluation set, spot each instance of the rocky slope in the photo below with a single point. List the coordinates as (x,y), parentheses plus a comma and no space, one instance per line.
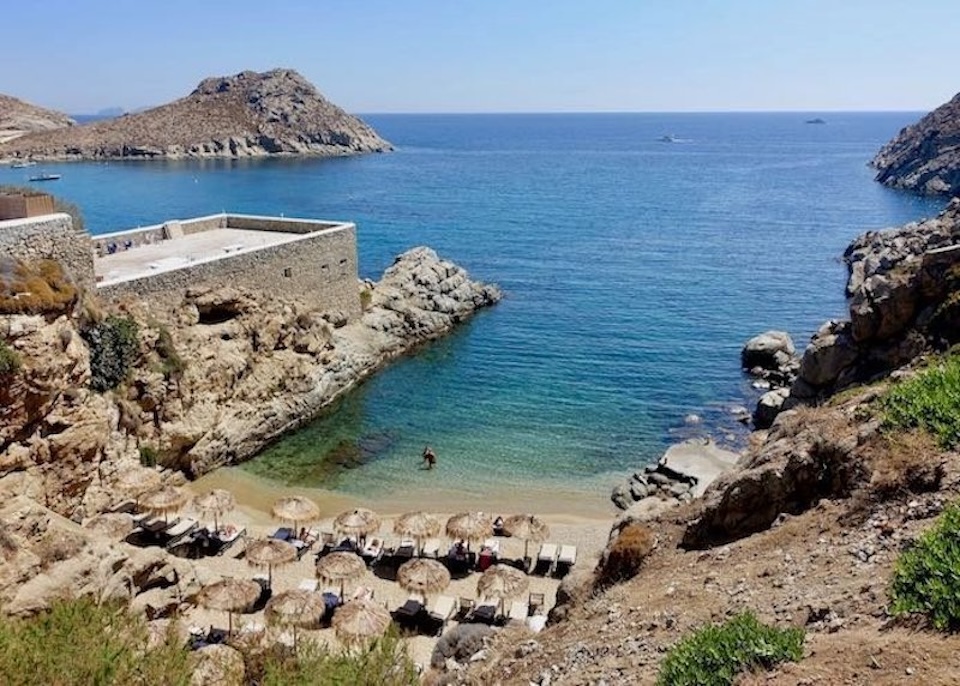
(925,157)
(239,383)
(18,118)
(250,114)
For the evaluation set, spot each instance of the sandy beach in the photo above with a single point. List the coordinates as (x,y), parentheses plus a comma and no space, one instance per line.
(255,497)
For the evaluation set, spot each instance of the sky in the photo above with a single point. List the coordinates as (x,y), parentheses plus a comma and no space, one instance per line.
(373,56)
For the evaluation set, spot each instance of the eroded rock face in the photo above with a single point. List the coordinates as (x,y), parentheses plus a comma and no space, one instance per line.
(925,157)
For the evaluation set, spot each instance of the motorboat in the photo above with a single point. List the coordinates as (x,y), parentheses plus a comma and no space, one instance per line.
(23,165)
(45,177)
(669,138)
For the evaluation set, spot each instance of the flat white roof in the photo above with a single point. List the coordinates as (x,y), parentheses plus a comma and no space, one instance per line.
(178,253)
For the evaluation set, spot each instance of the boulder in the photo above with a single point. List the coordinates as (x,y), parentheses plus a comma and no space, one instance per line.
(831,352)
(768,407)
(218,664)
(770,350)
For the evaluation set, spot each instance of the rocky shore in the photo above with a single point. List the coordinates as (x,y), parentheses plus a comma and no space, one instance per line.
(237,384)
(246,115)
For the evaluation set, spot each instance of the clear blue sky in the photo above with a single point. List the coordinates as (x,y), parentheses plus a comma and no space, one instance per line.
(494,55)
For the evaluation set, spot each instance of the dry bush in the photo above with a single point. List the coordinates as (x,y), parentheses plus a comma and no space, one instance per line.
(626,554)
(39,287)
(904,462)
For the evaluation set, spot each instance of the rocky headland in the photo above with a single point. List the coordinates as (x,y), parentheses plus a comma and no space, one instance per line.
(247,115)
(925,157)
(202,395)
(18,118)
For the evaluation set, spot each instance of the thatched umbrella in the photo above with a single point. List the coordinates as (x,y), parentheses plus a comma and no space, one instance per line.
(268,552)
(215,502)
(528,527)
(359,621)
(417,525)
(470,526)
(340,567)
(296,509)
(112,525)
(357,522)
(164,500)
(501,582)
(230,595)
(295,608)
(423,576)
(138,480)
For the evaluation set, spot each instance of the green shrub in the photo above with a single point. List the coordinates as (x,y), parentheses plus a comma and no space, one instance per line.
(9,360)
(172,365)
(366,298)
(383,662)
(926,578)
(929,401)
(114,344)
(714,655)
(149,456)
(80,642)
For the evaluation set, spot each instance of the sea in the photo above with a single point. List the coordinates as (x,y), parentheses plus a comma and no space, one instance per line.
(637,253)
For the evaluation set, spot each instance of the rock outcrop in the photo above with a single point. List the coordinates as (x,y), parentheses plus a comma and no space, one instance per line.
(925,157)
(202,395)
(18,118)
(772,359)
(247,115)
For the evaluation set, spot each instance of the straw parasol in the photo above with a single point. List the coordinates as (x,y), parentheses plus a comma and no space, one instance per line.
(138,480)
(340,567)
(230,595)
(164,500)
(360,620)
(528,527)
(268,552)
(112,525)
(357,522)
(215,502)
(296,509)
(417,525)
(423,576)
(470,526)
(295,608)
(502,581)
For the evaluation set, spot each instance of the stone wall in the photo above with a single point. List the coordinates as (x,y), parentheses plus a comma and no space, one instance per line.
(53,237)
(319,269)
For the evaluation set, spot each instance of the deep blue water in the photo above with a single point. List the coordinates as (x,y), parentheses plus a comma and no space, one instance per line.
(634,270)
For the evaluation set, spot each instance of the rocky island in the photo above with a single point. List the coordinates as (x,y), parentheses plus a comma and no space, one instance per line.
(247,115)
(925,157)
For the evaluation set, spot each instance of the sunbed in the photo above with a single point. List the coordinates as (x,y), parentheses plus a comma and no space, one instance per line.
(493,545)
(408,611)
(536,602)
(519,611)
(485,611)
(431,548)
(372,550)
(284,533)
(566,559)
(407,548)
(545,558)
(176,532)
(465,606)
(442,608)
(308,585)
(227,535)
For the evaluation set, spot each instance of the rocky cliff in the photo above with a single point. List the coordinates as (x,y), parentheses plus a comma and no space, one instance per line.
(925,157)
(201,395)
(18,118)
(250,114)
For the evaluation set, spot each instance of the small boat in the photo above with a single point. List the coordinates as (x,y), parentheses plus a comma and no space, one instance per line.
(669,138)
(45,177)
(23,165)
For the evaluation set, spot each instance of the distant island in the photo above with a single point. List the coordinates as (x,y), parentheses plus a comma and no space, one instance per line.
(925,157)
(816,120)
(249,114)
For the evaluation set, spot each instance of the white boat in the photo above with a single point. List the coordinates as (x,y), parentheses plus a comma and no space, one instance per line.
(45,177)
(23,165)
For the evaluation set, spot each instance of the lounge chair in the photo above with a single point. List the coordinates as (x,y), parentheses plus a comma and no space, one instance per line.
(465,606)
(227,535)
(493,545)
(408,612)
(308,585)
(485,611)
(565,560)
(156,525)
(178,531)
(536,603)
(545,559)
(518,611)
(284,533)
(372,550)
(407,548)
(431,548)
(442,608)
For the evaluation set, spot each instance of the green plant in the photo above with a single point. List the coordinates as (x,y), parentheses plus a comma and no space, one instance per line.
(9,360)
(80,642)
(383,662)
(149,455)
(926,578)
(366,297)
(714,655)
(171,364)
(929,401)
(114,344)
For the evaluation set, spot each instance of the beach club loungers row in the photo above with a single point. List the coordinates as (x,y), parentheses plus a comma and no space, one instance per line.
(555,559)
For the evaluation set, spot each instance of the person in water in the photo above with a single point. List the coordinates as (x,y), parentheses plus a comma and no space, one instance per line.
(429,457)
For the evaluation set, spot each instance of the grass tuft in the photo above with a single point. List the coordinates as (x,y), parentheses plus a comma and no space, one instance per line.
(929,401)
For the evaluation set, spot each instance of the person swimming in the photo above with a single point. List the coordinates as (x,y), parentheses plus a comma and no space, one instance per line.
(429,457)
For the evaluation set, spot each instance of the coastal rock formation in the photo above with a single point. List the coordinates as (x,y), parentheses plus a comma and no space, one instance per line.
(247,115)
(18,118)
(772,359)
(925,157)
(903,291)
(204,391)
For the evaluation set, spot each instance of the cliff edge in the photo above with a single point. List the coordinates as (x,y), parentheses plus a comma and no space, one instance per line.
(247,115)
(924,157)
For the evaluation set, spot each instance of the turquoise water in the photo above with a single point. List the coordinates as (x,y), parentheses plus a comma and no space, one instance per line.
(634,270)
